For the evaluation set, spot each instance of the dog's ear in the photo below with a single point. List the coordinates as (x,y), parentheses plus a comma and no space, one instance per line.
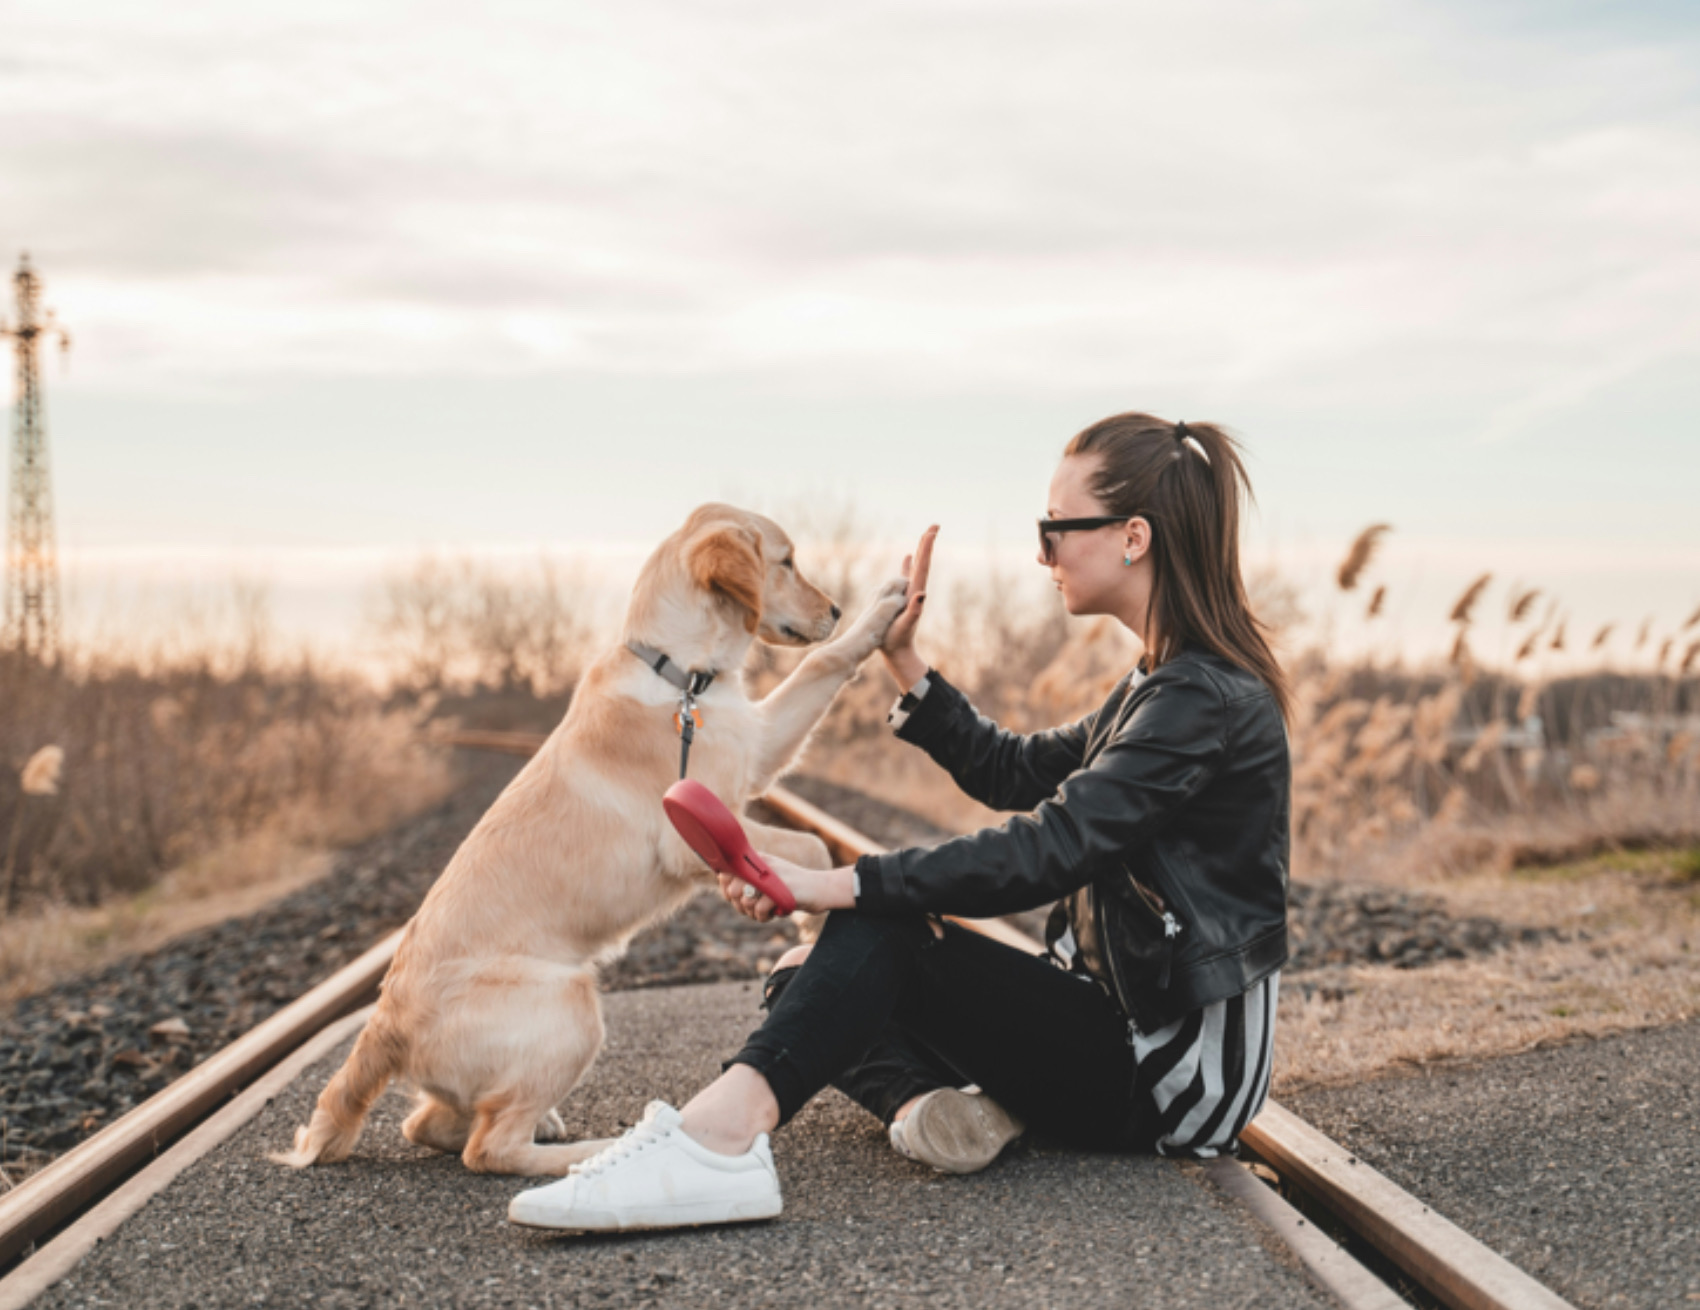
(727,561)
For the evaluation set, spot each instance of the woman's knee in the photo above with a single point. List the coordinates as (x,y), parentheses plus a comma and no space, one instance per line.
(868,930)
(850,935)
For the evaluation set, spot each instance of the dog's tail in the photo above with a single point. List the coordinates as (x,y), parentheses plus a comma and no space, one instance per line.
(341,1112)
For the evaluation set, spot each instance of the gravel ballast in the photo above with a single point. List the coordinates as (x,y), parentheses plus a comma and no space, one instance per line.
(399,1226)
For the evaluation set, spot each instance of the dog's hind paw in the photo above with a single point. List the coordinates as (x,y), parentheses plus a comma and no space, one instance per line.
(551,1128)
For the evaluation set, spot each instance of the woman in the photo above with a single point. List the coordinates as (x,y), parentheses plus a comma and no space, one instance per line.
(1158,823)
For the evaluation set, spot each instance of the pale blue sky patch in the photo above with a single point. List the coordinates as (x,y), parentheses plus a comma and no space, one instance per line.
(369,278)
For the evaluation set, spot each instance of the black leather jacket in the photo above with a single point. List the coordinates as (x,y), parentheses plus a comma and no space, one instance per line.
(1162,819)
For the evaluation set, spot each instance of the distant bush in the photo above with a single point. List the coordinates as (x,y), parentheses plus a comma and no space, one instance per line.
(116,767)
(455,624)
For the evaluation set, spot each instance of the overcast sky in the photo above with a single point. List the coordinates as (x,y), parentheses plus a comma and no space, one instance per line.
(350,280)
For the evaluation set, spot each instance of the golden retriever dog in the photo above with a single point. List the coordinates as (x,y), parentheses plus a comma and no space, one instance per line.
(490,1008)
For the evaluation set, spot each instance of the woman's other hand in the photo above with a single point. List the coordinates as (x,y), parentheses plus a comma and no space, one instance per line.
(816,890)
(899,644)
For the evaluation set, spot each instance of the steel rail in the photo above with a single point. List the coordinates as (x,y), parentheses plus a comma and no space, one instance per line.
(1460,1271)
(51,1198)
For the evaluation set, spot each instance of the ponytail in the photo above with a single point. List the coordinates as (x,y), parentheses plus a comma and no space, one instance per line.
(1187,480)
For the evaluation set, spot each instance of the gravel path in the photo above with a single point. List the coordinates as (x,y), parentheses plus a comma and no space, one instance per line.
(1580,1163)
(398,1226)
(80,1054)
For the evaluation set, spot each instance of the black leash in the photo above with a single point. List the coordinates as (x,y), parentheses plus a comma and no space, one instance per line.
(691,684)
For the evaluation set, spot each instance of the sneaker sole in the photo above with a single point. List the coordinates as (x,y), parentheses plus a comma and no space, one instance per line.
(682,1216)
(957,1133)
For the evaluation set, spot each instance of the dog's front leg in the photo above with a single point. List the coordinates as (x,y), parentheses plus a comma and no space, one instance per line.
(792,709)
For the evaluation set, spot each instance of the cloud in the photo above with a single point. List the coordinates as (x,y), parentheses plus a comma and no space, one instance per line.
(1384,239)
(1046,196)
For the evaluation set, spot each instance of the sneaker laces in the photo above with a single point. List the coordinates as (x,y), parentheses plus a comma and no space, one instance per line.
(636,1138)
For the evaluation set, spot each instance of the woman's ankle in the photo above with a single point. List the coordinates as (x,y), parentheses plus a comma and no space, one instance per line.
(731,1112)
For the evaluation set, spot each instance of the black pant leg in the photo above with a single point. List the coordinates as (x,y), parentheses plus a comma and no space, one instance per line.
(833,1011)
(891,1073)
(1047,1044)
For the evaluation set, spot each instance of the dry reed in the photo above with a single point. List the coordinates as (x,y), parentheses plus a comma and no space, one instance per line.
(1359,555)
(1467,602)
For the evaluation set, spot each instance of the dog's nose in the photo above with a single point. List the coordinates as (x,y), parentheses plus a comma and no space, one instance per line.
(836,613)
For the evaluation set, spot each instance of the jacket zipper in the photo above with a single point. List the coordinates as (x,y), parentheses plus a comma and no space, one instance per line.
(1171,930)
(1110,955)
(1171,927)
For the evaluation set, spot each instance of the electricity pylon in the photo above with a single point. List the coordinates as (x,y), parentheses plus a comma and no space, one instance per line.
(32,570)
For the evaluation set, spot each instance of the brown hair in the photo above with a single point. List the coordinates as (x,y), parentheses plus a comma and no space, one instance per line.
(1149,469)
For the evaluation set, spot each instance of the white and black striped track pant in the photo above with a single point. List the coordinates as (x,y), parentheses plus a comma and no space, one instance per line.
(1208,1073)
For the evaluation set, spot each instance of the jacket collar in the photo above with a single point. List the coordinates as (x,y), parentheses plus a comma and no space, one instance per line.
(1144,665)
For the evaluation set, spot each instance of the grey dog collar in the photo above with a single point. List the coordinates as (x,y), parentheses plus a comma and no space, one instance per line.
(693,682)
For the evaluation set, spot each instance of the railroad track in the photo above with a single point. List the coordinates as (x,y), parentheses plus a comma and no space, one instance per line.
(53,1218)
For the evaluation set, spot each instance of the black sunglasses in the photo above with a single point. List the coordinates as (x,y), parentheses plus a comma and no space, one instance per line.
(1048,527)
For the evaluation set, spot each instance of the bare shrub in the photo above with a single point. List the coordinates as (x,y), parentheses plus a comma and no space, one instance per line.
(116,766)
(453,624)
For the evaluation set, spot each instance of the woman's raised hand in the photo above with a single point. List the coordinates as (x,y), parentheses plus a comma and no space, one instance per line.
(899,644)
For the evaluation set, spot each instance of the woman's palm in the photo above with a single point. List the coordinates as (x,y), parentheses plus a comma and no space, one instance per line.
(901,634)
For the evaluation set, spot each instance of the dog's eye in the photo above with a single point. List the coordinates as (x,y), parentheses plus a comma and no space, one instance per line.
(789,564)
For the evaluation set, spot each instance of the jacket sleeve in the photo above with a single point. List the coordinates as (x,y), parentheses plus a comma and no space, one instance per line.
(1000,769)
(1167,749)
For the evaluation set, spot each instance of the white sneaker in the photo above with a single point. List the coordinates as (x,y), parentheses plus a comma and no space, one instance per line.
(955,1132)
(656,1176)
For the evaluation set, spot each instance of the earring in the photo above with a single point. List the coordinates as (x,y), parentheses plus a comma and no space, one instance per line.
(1127,560)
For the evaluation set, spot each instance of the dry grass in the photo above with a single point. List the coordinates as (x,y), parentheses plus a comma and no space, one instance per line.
(162,765)
(1630,959)
(56,940)
(1359,555)
(152,786)
(452,623)
(147,791)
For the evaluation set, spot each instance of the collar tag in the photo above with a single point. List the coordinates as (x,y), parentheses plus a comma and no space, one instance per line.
(691,684)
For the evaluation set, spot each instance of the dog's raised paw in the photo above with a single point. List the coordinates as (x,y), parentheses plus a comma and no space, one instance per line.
(551,1128)
(871,626)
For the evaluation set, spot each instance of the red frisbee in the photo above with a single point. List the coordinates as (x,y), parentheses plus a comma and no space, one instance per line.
(713,832)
